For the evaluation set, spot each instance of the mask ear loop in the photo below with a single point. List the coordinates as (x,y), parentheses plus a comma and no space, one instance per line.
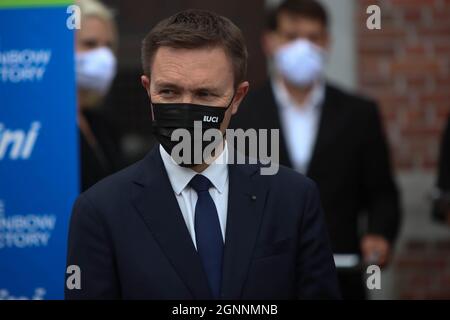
(229,105)
(151,106)
(232,99)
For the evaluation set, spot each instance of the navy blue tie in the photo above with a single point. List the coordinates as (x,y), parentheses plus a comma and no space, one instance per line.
(208,233)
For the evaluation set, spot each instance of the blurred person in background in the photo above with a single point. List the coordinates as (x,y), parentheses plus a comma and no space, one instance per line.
(442,202)
(334,137)
(95,45)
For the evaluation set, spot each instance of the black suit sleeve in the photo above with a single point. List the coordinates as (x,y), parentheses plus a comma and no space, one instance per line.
(315,265)
(441,204)
(89,247)
(444,161)
(379,187)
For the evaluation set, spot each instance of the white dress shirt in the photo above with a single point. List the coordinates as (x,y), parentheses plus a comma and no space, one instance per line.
(299,122)
(216,172)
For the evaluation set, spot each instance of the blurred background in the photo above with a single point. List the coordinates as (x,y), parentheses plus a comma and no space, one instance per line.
(405,66)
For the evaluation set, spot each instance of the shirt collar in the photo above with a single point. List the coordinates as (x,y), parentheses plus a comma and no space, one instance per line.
(216,172)
(313,101)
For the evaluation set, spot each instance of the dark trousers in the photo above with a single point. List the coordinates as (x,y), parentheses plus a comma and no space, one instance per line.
(352,284)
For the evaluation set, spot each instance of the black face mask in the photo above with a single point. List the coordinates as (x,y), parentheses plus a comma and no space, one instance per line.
(167,117)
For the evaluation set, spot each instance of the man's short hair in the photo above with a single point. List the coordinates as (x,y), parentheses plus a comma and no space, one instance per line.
(311,9)
(192,29)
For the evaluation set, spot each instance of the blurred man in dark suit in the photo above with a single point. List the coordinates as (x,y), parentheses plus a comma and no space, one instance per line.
(162,229)
(334,137)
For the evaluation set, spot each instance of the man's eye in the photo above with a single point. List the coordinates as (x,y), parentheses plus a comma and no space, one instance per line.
(166,92)
(204,94)
(91,44)
(314,38)
(290,36)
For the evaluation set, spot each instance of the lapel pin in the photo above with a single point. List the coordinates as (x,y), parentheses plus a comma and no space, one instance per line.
(253,197)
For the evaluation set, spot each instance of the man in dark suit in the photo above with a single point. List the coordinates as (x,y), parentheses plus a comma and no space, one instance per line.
(169,229)
(333,137)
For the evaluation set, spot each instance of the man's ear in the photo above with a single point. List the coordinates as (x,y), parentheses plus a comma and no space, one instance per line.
(240,94)
(145,81)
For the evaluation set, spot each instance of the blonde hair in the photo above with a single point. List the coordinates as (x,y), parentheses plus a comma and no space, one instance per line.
(94,8)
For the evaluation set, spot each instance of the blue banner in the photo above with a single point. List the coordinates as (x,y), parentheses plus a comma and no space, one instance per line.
(38,149)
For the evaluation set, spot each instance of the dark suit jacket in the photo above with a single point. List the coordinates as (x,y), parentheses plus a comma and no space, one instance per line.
(97,162)
(443,182)
(129,238)
(441,205)
(350,162)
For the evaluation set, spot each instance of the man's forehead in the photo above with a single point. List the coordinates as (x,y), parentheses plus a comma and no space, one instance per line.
(192,67)
(288,20)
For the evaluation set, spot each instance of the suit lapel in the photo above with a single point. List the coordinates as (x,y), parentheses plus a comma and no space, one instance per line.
(245,208)
(155,200)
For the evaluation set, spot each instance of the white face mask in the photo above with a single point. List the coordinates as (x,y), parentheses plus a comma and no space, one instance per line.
(300,62)
(95,69)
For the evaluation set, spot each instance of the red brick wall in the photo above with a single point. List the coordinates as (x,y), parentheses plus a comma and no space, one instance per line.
(422,270)
(406,67)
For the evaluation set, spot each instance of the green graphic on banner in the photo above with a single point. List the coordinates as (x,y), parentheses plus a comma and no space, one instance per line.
(33,3)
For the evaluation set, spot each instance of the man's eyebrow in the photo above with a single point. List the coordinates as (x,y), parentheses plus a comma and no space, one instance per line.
(206,88)
(170,85)
(164,84)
